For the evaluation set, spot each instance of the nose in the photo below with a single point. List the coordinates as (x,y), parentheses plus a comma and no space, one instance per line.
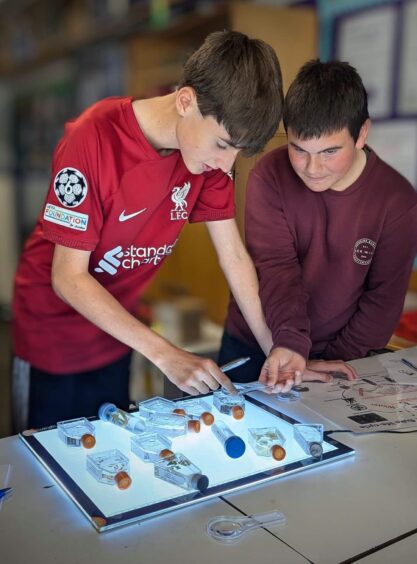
(226,161)
(313,164)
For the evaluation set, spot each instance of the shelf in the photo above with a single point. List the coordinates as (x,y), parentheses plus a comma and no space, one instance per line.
(137,21)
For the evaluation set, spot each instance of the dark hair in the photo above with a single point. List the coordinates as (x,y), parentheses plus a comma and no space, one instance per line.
(325,98)
(237,80)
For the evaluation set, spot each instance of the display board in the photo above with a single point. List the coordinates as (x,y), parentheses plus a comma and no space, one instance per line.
(107,507)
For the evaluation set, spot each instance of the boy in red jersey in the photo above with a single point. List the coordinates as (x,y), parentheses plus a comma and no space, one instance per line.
(331,229)
(126,176)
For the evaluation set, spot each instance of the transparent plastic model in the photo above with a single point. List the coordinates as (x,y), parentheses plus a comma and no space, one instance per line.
(110,467)
(229,404)
(155,405)
(230,529)
(150,447)
(195,408)
(233,445)
(109,412)
(292,395)
(170,424)
(77,432)
(310,438)
(179,470)
(267,441)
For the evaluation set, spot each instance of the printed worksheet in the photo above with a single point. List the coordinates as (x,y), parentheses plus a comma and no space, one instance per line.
(384,398)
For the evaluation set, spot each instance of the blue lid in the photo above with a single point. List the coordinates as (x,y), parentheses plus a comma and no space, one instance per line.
(234,446)
(103,409)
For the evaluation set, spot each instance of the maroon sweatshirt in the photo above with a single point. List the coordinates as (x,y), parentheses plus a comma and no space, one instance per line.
(333,267)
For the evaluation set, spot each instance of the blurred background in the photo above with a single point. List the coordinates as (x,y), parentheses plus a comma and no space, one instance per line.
(59,56)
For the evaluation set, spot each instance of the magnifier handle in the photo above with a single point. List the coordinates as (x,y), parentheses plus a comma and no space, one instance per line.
(261,519)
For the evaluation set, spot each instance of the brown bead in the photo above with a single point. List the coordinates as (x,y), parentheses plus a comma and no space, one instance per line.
(123,480)
(278,452)
(88,441)
(194,426)
(207,418)
(238,412)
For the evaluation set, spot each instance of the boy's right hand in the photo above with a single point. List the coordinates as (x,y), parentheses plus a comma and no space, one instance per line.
(193,374)
(282,369)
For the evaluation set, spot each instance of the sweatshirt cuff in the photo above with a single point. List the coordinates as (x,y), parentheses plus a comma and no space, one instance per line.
(300,344)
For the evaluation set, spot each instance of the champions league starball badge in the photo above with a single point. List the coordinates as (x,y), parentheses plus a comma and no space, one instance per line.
(70,187)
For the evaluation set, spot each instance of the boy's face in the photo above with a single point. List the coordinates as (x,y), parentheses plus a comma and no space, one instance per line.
(330,162)
(204,144)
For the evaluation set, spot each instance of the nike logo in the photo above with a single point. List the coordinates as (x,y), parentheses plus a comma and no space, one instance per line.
(125,217)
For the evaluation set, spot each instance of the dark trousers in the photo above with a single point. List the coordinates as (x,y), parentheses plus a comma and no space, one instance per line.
(232,348)
(55,398)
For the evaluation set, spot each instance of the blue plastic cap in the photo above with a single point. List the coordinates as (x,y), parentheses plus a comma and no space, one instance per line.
(104,409)
(234,447)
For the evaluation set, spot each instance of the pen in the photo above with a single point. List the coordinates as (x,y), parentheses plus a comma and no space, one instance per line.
(409,364)
(234,363)
(5,492)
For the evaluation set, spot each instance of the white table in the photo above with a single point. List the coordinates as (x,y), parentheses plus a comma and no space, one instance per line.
(363,508)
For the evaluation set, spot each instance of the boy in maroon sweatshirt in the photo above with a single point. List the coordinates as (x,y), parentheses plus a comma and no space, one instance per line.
(332,230)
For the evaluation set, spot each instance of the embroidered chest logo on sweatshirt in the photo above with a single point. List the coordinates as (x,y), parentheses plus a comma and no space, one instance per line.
(179,193)
(363,251)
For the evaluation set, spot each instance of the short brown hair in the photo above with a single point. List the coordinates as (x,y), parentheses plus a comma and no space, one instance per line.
(238,81)
(325,97)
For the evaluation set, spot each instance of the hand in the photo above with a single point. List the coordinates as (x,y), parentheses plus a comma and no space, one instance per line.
(282,369)
(193,374)
(323,370)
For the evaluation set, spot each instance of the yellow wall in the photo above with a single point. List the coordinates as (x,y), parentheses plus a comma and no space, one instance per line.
(193,266)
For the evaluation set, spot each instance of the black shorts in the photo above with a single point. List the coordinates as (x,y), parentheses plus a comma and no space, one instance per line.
(53,397)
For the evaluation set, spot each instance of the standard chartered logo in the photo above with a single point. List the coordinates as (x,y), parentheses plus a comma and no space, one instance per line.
(132,257)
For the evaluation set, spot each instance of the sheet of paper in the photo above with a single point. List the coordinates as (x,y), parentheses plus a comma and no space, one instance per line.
(384,398)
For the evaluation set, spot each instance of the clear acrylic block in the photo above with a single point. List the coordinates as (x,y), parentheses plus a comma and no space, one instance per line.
(110,467)
(310,438)
(77,432)
(170,424)
(179,470)
(267,441)
(150,447)
(229,404)
(195,408)
(155,405)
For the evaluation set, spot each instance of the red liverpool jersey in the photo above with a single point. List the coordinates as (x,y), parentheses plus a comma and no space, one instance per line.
(113,194)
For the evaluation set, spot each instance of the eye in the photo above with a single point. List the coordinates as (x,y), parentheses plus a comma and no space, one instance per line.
(221,146)
(297,149)
(330,151)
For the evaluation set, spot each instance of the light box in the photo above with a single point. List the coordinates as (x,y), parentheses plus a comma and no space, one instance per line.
(107,507)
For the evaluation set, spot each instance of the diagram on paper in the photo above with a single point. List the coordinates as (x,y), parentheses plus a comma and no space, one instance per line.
(376,402)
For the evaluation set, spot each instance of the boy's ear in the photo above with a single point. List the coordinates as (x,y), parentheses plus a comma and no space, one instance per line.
(185,100)
(363,134)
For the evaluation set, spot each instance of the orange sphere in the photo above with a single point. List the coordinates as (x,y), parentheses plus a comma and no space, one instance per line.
(88,441)
(123,480)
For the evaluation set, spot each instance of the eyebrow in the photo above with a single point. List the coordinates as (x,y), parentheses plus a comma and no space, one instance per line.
(318,152)
(229,143)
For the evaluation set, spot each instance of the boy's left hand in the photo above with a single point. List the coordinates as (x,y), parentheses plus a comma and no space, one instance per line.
(324,370)
(282,369)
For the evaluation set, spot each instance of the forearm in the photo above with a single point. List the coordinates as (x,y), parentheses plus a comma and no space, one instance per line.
(241,276)
(372,325)
(243,282)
